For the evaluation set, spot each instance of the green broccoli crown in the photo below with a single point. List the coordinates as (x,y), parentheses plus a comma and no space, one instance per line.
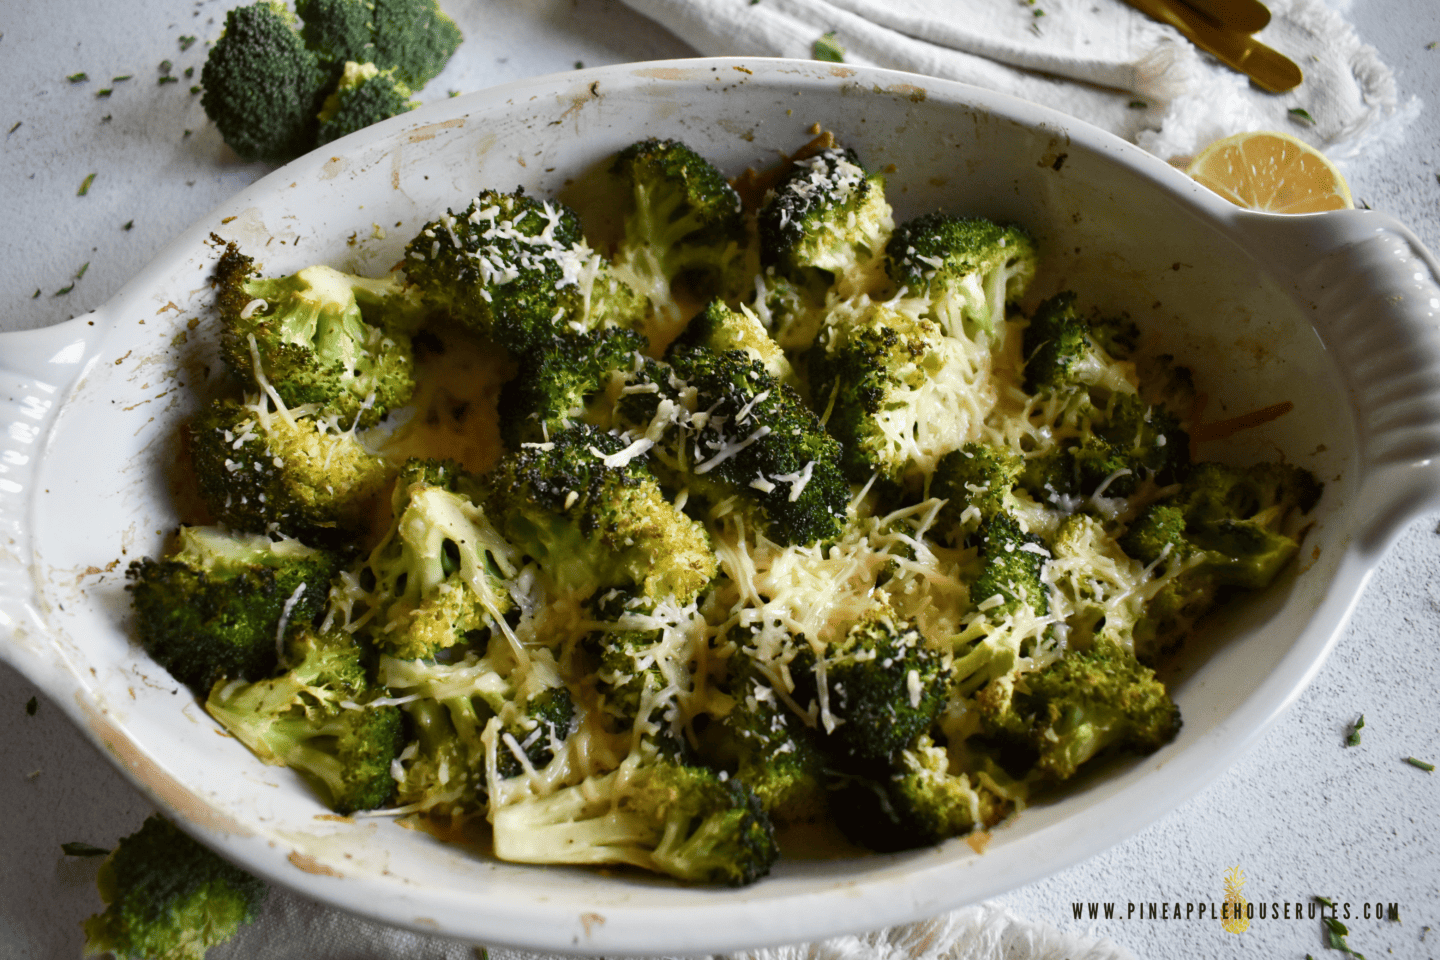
(657,814)
(1056,342)
(509,266)
(1158,532)
(1117,336)
(585,506)
(919,802)
(309,338)
(261,471)
(440,572)
(314,718)
(883,684)
(1265,491)
(167,896)
(720,329)
(1163,382)
(827,215)
(263,88)
(979,264)
(726,428)
(636,667)
(976,476)
(364,95)
(773,751)
(1011,563)
(538,733)
(1149,440)
(684,213)
(891,384)
(412,38)
(557,382)
(1082,704)
(213,608)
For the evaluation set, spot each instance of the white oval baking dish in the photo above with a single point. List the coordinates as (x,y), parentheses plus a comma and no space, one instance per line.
(1336,313)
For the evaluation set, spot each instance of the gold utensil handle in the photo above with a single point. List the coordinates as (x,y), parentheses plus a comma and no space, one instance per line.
(1270,69)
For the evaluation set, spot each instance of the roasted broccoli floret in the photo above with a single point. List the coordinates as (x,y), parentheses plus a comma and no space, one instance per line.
(1011,562)
(586,508)
(968,267)
(263,470)
(473,710)
(725,429)
(881,683)
(824,222)
(509,266)
(439,573)
(214,607)
(920,801)
(976,483)
(307,337)
(899,395)
(1063,351)
(654,812)
(644,660)
(1225,529)
(168,898)
(683,223)
(558,382)
(769,748)
(721,329)
(263,87)
(413,38)
(1087,701)
(365,95)
(316,719)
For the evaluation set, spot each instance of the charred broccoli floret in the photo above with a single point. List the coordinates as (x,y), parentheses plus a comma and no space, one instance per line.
(968,267)
(364,95)
(306,335)
(1011,562)
(899,393)
(214,607)
(558,382)
(585,507)
(725,429)
(721,329)
(976,483)
(316,719)
(824,222)
(263,470)
(1062,350)
(168,898)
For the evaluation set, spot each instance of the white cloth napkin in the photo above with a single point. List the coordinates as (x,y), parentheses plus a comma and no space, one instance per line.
(1099,60)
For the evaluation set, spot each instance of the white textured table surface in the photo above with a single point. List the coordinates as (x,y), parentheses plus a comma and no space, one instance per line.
(1300,814)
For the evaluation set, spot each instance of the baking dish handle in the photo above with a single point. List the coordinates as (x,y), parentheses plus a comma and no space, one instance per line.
(37,368)
(1373,292)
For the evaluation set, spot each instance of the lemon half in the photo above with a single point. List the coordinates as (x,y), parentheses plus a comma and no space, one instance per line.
(1273,172)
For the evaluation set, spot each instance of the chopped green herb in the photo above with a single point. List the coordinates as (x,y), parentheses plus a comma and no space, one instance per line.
(36,294)
(195,89)
(85,187)
(827,48)
(579,64)
(103,93)
(1432,44)
(754,3)
(454,93)
(128,224)
(65,289)
(78,77)
(78,849)
(165,80)
(165,66)
(14,128)
(83,267)
(185,134)
(189,72)
(1301,114)
(186,43)
(105,119)
(1325,901)
(1335,933)
(122,79)
(1354,739)
(33,703)
(1037,12)
(1138,104)
(1427,767)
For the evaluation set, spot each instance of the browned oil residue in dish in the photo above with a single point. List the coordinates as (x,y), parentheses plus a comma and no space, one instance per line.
(309,864)
(1224,429)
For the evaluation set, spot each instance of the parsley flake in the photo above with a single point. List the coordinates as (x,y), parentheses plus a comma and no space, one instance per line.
(83,267)
(78,77)
(1427,767)
(1301,114)
(78,849)
(85,187)
(103,93)
(14,128)
(827,48)
(122,79)
(167,79)
(1354,739)
(1335,933)
(128,225)
(65,289)
(186,43)
(33,703)
(165,66)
